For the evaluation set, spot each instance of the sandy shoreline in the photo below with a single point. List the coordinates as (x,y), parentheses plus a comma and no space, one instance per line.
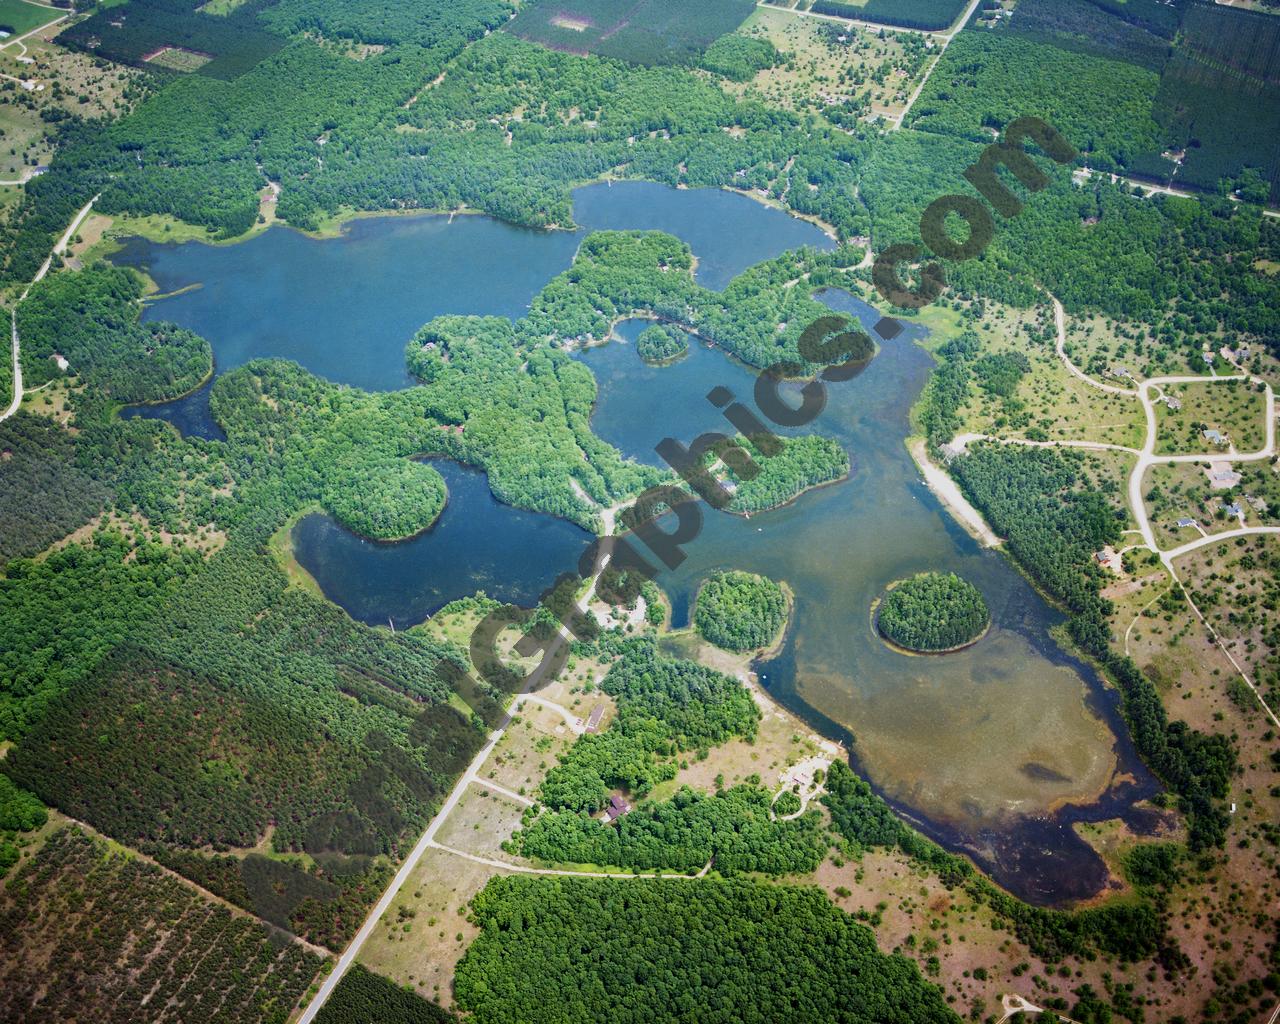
(946,491)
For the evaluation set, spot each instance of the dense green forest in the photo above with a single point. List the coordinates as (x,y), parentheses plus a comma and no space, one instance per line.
(739,57)
(791,467)
(740,611)
(666,707)
(19,812)
(235,42)
(646,32)
(386,22)
(161,679)
(984,81)
(91,320)
(385,499)
(60,615)
(933,611)
(363,997)
(44,495)
(680,951)
(930,14)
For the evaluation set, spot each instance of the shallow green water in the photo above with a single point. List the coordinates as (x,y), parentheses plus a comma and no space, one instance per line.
(980,747)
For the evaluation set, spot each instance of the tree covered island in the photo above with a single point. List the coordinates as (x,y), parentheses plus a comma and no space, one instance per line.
(662,343)
(932,612)
(740,611)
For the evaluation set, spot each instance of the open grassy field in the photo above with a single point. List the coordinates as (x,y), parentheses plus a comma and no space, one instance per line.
(1235,585)
(19,17)
(1049,403)
(1185,491)
(1096,343)
(67,82)
(824,66)
(1234,408)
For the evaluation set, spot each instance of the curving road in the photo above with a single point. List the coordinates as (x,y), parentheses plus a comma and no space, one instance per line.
(58,249)
(1147,458)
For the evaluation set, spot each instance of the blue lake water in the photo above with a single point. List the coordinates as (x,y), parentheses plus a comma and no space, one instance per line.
(994,750)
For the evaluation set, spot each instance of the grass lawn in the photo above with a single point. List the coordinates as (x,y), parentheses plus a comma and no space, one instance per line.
(1235,408)
(20,17)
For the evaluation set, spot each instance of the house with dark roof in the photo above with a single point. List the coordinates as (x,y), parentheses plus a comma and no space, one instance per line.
(616,809)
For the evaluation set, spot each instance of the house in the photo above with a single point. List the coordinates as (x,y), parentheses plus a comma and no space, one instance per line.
(1119,373)
(1233,511)
(1215,437)
(1208,358)
(1174,404)
(1221,476)
(1108,558)
(593,720)
(1185,522)
(616,809)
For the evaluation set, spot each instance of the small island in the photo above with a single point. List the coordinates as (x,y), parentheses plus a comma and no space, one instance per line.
(740,611)
(662,343)
(932,613)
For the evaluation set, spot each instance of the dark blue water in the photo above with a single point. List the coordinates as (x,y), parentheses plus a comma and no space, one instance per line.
(508,553)
(345,311)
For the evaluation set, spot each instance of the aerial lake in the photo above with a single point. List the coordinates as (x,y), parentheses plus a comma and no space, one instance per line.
(994,750)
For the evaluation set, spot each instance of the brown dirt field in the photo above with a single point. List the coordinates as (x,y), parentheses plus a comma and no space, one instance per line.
(436,896)
(528,750)
(480,822)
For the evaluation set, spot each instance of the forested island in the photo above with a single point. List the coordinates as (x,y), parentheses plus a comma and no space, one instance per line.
(662,343)
(740,611)
(932,613)
(794,465)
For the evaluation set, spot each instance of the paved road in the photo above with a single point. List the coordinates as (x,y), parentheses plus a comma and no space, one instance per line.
(406,869)
(1152,188)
